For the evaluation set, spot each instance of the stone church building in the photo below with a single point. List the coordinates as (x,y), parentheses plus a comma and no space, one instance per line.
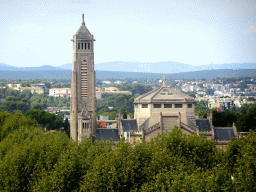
(155,112)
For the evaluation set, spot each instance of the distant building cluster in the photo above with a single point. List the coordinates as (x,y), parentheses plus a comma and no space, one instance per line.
(33,88)
(60,92)
(66,92)
(219,89)
(112,90)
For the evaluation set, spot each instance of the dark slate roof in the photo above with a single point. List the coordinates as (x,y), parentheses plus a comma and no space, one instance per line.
(223,133)
(203,124)
(129,125)
(107,134)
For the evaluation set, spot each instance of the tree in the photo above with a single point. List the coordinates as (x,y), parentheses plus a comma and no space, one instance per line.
(250,99)
(49,121)
(241,162)
(192,95)
(67,127)
(246,120)
(66,85)
(201,109)
(209,91)
(125,115)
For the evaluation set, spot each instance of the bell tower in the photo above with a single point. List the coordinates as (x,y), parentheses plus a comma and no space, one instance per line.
(83,98)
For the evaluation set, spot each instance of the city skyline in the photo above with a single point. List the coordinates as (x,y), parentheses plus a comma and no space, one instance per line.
(190,32)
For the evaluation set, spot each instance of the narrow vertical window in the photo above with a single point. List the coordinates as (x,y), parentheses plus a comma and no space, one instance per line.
(89,45)
(82,46)
(78,45)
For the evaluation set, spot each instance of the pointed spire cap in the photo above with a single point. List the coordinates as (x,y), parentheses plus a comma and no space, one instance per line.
(83,23)
(83,32)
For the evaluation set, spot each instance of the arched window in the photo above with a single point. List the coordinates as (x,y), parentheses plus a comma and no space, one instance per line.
(89,45)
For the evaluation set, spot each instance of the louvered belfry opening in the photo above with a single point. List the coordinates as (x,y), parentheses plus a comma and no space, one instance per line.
(84,80)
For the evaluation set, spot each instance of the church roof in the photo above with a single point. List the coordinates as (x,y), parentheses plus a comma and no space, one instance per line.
(163,93)
(83,32)
(107,134)
(223,134)
(203,125)
(129,125)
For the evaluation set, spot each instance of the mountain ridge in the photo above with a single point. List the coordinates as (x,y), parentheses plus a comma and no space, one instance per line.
(162,67)
(169,67)
(119,66)
(66,74)
(5,67)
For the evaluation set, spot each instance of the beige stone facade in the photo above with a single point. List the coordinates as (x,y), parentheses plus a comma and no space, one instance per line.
(169,102)
(83,100)
(158,111)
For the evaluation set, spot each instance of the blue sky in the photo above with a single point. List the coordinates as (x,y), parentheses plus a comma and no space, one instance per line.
(197,32)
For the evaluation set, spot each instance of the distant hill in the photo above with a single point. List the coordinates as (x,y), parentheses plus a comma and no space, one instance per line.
(4,67)
(66,74)
(161,67)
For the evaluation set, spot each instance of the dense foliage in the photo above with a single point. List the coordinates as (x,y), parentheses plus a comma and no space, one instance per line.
(48,121)
(11,100)
(135,89)
(201,109)
(33,160)
(243,117)
(111,103)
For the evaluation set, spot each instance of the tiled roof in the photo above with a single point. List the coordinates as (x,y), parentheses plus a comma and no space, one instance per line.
(107,134)
(129,125)
(223,134)
(203,124)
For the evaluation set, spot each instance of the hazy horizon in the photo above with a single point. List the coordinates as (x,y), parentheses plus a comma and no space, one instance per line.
(36,33)
(133,62)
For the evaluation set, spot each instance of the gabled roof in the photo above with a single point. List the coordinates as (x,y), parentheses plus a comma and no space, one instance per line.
(223,134)
(203,124)
(163,93)
(129,125)
(107,134)
(83,32)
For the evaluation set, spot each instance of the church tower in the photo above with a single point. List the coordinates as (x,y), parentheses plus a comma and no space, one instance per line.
(83,98)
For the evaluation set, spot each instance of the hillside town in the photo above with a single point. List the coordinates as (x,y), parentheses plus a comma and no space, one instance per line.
(216,93)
